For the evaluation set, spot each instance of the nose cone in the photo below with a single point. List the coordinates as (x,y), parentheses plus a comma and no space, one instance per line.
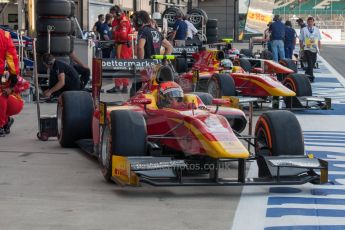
(281,90)
(227,149)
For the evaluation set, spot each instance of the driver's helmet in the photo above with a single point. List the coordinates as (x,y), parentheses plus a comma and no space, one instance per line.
(226,64)
(170,93)
(234,51)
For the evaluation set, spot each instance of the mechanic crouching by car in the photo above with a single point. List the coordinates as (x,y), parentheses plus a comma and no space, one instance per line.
(63,77)
(10,84)
(121,29)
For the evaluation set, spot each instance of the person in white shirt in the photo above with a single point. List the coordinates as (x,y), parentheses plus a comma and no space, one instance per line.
(191,31)
(310,43)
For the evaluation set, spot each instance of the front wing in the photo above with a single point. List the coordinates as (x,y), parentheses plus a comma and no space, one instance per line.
(165,171)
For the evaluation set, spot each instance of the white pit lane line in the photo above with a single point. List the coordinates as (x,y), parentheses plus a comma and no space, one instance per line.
(251,213)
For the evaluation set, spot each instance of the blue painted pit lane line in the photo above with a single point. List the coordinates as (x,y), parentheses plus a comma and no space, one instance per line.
(325,145)
(308,227)
(325,154)
(326,192)
(280,212)
(326,136)
(325,140)
(304,200)
(322,131)
(337,109)
(326,79)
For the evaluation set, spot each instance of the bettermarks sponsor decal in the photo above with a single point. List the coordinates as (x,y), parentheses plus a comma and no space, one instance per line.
(122,64)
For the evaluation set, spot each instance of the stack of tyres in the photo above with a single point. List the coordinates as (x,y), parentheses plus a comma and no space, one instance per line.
(212,31)
(58,17)
(198,17)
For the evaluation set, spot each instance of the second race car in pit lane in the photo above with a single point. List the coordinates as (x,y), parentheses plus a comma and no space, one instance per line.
(164,137)
(213,73)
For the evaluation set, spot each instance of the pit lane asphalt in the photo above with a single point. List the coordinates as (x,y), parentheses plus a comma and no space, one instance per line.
(334,55)
(43,186)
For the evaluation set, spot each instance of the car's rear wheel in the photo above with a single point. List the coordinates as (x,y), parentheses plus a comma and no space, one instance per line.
(266,54)
(206,98)
(244,63)
(74,115)
(124,135)
(289,64)
(181,65)
(300,84)
(247,52)
(277,133)
(221,85)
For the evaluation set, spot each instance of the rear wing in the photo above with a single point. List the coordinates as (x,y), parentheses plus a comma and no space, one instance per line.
(185,50)
(119,68)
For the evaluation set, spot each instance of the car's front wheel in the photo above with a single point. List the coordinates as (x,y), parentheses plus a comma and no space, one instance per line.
(124,135)
(277,133)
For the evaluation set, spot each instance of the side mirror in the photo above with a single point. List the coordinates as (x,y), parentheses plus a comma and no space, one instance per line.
(141,101)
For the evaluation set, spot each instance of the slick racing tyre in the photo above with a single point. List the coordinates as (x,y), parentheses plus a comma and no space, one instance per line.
(246,52)
(244,63)
(212,32)
(212,23)
(277,133)
(170,15)
(59,45)
(289,64)
(206,98)
(212,39)
(266,54)
(64,26)
(74,115)
(300,84)
(198,17)
(124,135)
(181,65)
(221,85)
(55,8)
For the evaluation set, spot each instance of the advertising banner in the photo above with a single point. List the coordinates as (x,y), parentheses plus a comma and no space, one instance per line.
(259,15)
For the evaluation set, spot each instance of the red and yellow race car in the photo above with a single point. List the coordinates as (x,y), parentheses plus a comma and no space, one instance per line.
(165,137)
(213,73)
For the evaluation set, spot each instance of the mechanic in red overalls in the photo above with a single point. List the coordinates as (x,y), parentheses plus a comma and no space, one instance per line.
(122,29)
(11,85)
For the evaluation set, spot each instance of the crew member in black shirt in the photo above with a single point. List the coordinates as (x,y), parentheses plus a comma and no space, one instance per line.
(63,77)
(150,40)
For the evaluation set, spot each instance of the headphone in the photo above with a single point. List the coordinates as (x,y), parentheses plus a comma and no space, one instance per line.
(117,9)
(138,22)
